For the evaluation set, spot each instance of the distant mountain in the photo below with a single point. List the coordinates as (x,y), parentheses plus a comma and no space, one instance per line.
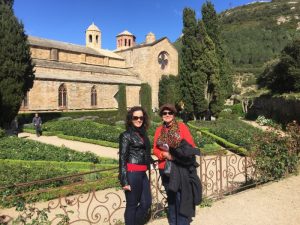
(257,32)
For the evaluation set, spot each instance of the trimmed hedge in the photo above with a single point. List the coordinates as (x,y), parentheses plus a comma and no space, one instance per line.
(234,131)
(108,115)
(26,171)
(24,149)
(85,129)
(221,141)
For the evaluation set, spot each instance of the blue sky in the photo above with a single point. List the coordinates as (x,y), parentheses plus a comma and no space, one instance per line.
(67,20)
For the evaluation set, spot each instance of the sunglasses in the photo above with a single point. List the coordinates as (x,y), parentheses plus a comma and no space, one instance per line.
(167,113)
(137,117)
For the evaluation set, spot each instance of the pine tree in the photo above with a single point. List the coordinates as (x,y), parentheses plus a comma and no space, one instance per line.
(213,29)
(16,67)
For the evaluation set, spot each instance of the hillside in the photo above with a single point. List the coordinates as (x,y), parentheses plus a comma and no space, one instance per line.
(257,32)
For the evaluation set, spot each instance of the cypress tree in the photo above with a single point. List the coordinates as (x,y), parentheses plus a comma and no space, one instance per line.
(122,102)
(168,90)
(16,67)
(188,66)
(208,68)
(213,29)
(146,98)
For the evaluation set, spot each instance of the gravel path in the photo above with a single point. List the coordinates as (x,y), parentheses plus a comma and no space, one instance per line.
(276,203)
(75,145)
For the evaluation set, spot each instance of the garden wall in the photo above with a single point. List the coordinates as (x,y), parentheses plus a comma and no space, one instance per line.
(280,109)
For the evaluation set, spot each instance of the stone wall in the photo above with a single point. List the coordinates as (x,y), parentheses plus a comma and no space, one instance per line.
(44,96)
(279,109)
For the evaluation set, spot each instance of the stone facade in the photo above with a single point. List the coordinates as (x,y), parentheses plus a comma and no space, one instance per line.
(89,72)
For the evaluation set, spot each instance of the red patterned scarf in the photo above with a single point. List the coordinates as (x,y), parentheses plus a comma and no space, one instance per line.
(170,135)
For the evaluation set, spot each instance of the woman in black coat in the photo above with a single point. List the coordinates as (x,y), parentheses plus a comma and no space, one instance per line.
(134,161)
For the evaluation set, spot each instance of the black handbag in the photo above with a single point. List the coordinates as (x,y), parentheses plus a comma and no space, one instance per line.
(167,169)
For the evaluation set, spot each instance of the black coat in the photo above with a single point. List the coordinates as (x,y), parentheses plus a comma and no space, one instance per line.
(132,149)
(184,178)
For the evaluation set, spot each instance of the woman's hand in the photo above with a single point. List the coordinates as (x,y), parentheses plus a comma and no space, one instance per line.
(127,188)
(167,155)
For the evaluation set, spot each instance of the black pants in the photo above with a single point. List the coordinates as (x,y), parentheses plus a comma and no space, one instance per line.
(174,198)
(138,200)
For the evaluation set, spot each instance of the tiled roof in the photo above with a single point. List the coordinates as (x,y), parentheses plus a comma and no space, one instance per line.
(83,67)
(47,43)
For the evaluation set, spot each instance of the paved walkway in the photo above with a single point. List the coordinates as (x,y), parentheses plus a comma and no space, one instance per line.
(75,145)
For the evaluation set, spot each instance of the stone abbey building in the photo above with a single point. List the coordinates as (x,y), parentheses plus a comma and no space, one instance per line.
(73,77)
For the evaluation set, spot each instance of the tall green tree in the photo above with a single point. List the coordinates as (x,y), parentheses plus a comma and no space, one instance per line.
(16,67)
(209,69)
(169,90)
(213,28)
(122,101)
(192,78)
(146,98)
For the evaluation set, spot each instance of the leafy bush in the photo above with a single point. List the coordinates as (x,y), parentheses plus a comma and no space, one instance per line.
(275,156)
(263,121)
(23,149)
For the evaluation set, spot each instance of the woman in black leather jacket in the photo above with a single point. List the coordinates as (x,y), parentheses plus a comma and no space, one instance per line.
(134,161)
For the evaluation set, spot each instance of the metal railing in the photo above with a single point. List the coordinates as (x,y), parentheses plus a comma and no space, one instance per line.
(101,201)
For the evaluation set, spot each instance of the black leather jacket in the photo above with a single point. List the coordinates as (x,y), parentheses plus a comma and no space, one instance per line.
(132,149)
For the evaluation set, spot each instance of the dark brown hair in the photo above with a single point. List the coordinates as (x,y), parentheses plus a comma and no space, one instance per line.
(128,122)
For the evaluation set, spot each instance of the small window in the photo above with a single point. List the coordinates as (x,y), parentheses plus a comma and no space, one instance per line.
(90,38)
(62,96)
(125,42)
(93,96)
(96,38)
(129,42)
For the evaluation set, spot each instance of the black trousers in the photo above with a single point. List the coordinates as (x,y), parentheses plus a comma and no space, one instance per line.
(138,200)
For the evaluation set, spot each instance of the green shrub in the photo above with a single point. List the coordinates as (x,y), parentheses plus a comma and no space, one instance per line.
(275,156)
(24,149)
(2,133)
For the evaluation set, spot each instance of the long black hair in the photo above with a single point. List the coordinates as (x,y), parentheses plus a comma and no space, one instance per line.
(128,122)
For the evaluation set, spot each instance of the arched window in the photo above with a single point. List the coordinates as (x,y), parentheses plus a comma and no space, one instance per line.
(163,59)
(125,42)
(129,42)
(90,38)
(62,96)
(93,96)
(96,38)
